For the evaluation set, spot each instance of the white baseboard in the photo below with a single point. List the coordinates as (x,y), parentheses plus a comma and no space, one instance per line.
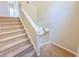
(42,44)
(59,46)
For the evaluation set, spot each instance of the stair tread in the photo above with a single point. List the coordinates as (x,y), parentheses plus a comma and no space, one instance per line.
(17,51)
(10,22)
(5,27)
(29,54)
(11,31)
(3,43)
(12,44)
(24,52)
(9,18)
(3,53)
(9,38)
(10,25)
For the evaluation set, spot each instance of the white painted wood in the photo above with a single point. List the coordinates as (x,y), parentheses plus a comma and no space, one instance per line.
(31,29)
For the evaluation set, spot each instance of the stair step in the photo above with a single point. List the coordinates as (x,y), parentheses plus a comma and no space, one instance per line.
(3,43)
(24,52)
(10,29)
(9,20)
(7,26)
(9,23)
(11,33)
(16,19)
(3,53)
(17,51)
(29,54)
(14,31)
(11,45)
(9,38)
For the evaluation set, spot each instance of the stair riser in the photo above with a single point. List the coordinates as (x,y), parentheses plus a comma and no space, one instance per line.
(11,45)
(12,54)
(10,29)
(9,19)
(3,53)
(6,34)
(9,25)
(6,27)
(3,43)
(2,23)
(13,37)
(24,52)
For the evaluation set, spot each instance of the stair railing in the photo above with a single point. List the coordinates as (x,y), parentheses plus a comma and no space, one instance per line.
(30,27)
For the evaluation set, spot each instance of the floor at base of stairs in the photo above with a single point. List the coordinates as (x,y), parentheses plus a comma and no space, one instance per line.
(50,50)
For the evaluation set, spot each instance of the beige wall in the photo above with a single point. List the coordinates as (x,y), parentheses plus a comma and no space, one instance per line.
(63,21)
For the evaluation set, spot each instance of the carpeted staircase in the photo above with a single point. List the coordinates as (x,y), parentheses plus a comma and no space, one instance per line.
(14,42)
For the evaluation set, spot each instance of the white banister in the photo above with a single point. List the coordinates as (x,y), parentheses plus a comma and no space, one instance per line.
(31,29)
